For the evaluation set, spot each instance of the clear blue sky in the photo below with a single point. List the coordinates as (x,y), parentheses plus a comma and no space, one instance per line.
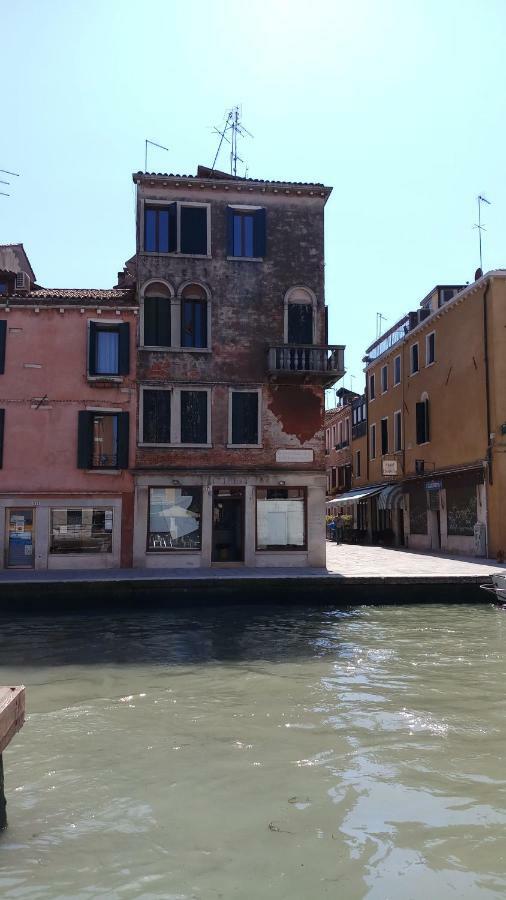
(399,104)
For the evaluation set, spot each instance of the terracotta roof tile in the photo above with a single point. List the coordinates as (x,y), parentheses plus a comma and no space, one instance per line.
(77,295)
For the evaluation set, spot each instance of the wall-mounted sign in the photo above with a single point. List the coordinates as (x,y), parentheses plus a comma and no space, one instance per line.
(389,466)
(433,485)
(300,456)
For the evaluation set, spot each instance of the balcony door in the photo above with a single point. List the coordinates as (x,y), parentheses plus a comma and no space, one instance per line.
(20,538)
(300,323)
(228,525)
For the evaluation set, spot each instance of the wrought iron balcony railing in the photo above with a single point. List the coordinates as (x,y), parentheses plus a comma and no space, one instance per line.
(326,363)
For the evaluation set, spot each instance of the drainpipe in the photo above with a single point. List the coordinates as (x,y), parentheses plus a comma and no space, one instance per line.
(487,382)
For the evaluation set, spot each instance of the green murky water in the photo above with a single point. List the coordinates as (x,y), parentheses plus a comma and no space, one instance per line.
(261,753)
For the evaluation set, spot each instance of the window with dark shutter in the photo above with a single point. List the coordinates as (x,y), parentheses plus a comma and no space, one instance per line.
(156,417)
(109,349)
(160,228)
(193,230)
(422,422)
(194,417)
(414,359)
(245,417)
(3,337)
(384,436)
(194,316)
(246,233)
(102,440)
(123,431)
(84,439)
(156,322)
(300,323)
(2,427)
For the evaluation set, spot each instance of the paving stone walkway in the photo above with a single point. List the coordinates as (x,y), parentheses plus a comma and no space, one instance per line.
(351,561)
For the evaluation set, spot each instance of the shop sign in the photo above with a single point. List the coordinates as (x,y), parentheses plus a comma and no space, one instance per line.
(433,485)
(389,467)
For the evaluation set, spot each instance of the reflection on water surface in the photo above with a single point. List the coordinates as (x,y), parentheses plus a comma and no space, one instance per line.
(258,753)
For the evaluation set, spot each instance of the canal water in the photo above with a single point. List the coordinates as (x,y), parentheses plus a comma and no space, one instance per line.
(258,753)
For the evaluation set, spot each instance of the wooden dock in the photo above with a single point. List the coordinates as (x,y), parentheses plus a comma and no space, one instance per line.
(12,717)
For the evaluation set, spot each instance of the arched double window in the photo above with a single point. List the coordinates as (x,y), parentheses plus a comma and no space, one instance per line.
(300,315)
(157,330)
(194,330)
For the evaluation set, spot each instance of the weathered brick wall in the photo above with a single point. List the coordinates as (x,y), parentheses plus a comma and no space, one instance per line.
(247,318)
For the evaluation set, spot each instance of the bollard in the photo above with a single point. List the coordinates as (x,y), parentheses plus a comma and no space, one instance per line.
(12,717)
(3,801)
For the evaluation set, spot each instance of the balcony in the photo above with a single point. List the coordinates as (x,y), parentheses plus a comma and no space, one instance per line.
(358,430)
(324,364)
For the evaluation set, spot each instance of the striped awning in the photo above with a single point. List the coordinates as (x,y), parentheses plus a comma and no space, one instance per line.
(355,496)
(391,497)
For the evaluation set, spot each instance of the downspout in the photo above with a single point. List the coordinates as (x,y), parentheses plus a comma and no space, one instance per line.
(487,382)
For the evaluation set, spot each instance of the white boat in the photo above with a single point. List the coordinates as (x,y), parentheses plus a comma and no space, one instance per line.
(498,587)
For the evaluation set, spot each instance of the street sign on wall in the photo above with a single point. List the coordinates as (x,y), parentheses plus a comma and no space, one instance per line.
(389,467)
(433,485)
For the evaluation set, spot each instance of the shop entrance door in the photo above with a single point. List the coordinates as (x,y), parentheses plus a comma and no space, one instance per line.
(20,553)
(228,525)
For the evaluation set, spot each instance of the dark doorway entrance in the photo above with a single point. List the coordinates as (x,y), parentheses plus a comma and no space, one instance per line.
(228,525)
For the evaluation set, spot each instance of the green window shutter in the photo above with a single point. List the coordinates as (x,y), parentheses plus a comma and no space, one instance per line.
(92,349)
(259,233)
(124,349)
(3,336)
(84,438)
(123,434)
(2,425)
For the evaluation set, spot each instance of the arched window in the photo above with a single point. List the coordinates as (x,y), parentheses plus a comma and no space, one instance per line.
(300,311)
(422,420)
(193,316)
(157,315)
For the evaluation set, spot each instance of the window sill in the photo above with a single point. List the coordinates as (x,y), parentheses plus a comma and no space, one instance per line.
(412,374)
(175,349)
(424,444)
(174,446)
(397,384)
(245,446)
(98,471)
(113,379)
(176,255)
(428,365)
(257,259)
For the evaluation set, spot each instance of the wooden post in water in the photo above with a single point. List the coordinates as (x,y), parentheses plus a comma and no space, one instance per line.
(12,717)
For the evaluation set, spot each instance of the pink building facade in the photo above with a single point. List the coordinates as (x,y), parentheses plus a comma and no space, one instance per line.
(67,414)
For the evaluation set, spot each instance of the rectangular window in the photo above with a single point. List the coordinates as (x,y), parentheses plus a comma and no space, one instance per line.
(384,379)
(414,359)
(281,519)
(156,416)
(397,370)
(174,518)
(3,288)
(193,322)
(384,436)
(3,338)
(357,464)
(160,228)
(327,439)
(334,477)
(194,417)
(157,322)
(244,412)
(418,512)
(246,233)
(398,430)
(422,422)
(373,442)
(76,530)
(102,440)
(2,429)
(372,387)
(430,348)
(109,349)
(193,238)
(300,323)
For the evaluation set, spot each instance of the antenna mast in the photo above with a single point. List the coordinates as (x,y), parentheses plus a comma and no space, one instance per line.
(232,130)
(152,144)
(2,181)
(481,199)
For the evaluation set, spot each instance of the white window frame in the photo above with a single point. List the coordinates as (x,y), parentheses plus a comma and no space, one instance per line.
(384,453)
(334,437)
(372,379)
(175,300)
(411,372)
(340,433)
(292,299)
(358,474)
(244,390)
(240,207)
(398,357)
(154,202)
(175,414)
(170,298)
(107,322)
(397,418)
(432,361)
(372,430)
(384,369)
(327,438)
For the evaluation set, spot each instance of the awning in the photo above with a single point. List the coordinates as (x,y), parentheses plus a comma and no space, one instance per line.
(355,496)
(391,497)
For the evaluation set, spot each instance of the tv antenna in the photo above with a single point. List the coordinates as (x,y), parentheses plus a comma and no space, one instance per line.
(231,131)
(2,181)
(481,199)
(152,144)
(379,319)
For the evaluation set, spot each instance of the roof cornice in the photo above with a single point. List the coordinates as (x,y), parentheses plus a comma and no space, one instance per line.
(247,185)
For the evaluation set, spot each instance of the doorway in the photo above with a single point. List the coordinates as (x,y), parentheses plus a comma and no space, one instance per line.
(228,525)
(20,553)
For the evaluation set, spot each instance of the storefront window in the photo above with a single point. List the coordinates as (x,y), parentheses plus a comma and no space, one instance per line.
(462,511)
(281,519)
(418,512)
(175,516)
(81,530)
